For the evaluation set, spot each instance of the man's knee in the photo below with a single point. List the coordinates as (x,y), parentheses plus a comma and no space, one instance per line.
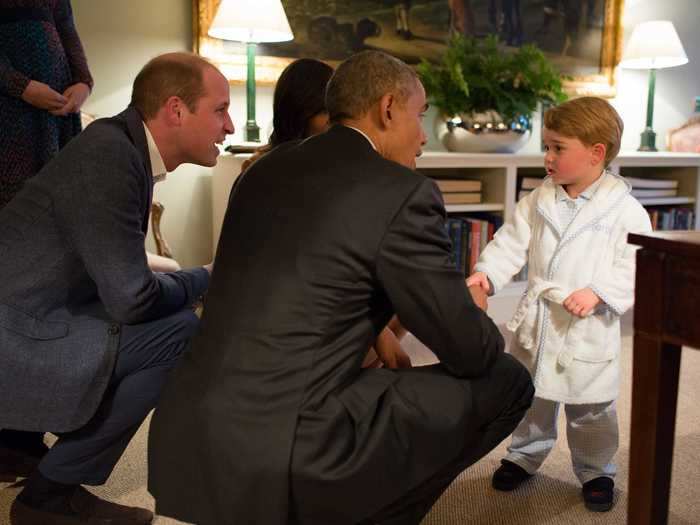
(177,329)
(183,327)
(185,324)
(159,343)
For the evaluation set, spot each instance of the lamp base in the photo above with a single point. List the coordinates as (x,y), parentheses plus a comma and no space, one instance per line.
(648,140)
(252,132)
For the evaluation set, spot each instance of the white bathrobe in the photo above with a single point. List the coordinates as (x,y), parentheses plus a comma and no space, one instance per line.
(572,360)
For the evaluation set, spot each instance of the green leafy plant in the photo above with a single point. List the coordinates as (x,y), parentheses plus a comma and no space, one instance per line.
(477,75)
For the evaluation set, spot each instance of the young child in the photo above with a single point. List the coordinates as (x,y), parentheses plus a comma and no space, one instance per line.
(572,233)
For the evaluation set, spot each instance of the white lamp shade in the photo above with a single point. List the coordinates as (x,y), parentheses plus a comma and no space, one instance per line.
(654,45)
(251,21)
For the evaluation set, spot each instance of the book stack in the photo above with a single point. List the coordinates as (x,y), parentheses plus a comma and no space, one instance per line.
(676,218)
(469,236)
(527,184)
(460,191)
(645,188)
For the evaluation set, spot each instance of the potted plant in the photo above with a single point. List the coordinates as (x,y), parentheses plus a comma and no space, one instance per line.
(487,96)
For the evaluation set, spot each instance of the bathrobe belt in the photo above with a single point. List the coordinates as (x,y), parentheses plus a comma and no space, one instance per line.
(525,322)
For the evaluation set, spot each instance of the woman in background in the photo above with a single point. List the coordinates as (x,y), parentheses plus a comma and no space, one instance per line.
(44,81)
(298,105)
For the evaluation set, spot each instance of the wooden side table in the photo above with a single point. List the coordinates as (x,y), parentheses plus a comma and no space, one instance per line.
(666,317)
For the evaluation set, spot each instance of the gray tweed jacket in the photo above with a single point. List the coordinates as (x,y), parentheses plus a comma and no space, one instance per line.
(73,270)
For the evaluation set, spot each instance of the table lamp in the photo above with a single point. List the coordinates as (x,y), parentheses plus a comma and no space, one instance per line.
(252,22)
(653,45)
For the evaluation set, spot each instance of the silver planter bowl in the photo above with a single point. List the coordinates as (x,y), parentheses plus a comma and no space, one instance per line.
(482,132)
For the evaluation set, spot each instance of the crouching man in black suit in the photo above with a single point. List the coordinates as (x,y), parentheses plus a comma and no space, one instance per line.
(269,418)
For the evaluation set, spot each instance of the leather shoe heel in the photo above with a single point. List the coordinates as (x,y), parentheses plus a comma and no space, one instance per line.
(15,463)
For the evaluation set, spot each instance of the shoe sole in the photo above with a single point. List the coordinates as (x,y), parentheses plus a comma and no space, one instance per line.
(15,465)
(598,507)
(8,478)
(508,487)
(21,514)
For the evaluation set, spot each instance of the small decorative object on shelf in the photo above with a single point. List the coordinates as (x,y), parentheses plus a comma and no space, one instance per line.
(486,95)
(687,137)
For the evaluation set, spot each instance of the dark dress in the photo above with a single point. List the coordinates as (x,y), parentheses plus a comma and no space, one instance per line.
(38,41)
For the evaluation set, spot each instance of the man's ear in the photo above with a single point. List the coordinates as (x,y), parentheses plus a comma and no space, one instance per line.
(598,153)
(386,104)
(173,110)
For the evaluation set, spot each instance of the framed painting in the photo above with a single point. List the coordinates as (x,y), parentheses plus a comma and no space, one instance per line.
(581,37)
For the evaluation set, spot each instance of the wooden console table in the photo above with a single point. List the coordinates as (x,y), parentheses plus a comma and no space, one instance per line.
(666,317)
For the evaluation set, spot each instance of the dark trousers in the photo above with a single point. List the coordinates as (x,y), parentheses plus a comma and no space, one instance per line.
(501,399)
(147,352)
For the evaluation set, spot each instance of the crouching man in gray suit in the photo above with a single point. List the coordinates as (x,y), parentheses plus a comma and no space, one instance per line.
(88,333)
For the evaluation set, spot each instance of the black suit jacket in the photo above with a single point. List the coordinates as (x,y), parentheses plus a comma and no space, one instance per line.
(73,269)
(322,242)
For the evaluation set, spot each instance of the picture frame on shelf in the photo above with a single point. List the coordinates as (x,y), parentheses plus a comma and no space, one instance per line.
(581,37)
(685,138)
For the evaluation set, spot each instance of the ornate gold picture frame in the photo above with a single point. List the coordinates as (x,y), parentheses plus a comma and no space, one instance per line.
(603,83)
(603,36)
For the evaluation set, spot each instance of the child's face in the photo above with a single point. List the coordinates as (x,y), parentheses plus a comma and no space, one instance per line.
(568,160)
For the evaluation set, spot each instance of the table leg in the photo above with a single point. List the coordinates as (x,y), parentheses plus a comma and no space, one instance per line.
(654,395)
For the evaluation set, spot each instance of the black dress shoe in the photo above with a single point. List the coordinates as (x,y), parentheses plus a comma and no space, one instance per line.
(17,463)
(83,508)
(509,476)
(598,494)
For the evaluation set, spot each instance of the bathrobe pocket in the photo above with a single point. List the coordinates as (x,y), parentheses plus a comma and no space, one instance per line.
(589,338)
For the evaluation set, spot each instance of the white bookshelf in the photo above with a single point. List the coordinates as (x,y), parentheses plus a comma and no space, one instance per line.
(465,208)
(498,173)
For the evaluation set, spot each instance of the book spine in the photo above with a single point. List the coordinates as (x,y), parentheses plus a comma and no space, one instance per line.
(474,245)
(464,252)
(454,233)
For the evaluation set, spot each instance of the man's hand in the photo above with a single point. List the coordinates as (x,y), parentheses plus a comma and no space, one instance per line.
(581,302)
(479,279)
(41,96)
(479,297)
(76,95)
(209,267)
(389,350)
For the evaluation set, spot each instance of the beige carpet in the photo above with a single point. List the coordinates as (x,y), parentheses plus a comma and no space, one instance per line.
(552,497)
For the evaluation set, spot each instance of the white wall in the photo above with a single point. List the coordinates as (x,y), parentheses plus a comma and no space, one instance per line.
(119,37)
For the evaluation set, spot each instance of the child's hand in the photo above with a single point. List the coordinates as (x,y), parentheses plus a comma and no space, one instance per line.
(479,279)
(581,302)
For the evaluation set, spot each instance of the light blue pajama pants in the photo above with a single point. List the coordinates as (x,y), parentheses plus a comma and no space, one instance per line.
(591,431)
